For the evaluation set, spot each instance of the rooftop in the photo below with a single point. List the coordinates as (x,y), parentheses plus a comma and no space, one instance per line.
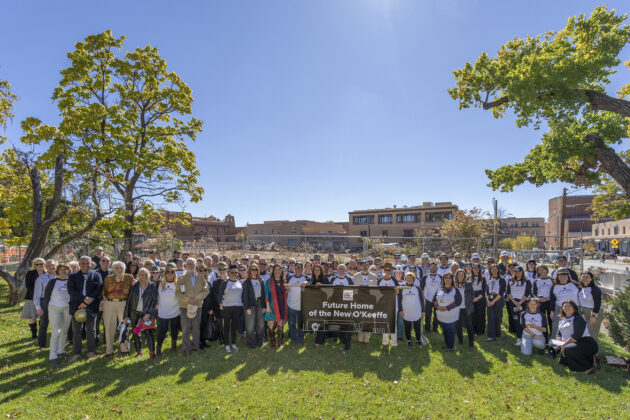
(424,206)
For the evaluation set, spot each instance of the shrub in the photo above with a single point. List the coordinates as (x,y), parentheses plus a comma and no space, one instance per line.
(619,319)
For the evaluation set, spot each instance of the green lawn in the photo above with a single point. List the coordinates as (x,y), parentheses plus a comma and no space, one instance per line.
(491,380)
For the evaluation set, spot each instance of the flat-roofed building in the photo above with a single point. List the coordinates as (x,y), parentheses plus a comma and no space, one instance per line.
(511,227)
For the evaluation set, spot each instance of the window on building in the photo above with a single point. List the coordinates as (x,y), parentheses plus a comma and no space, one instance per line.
(624,230)
(385,233)
(616,230)
(596,232)
(408,233)
(524,224)
(385,218)
(438,217)
(363,220)
(293,231)
(609,231)
(534,224)
(363,233)
(406,218)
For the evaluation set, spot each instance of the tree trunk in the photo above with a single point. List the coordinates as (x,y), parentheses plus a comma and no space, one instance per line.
(610,162)
(601,102)
(15,281)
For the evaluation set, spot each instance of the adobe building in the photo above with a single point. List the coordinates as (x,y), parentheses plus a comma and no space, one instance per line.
(512,227)
(602,233)
(208,227)
(293,233)
(399,222)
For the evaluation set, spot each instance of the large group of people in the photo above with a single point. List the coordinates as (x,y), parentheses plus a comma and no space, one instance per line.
(213,298)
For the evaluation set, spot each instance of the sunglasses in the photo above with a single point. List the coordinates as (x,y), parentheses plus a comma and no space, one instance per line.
(203,271)
(263,263)
(243,270)
(170,271)
(233,272)
(39,264)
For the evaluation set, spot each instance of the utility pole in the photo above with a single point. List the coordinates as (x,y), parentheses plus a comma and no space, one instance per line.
(494,227)
(562,217)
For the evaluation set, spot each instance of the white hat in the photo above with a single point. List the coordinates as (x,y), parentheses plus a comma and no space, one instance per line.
(191,311)
(475,256)
(424,255)
(403,258)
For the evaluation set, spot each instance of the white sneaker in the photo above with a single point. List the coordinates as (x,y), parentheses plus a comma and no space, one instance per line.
(234,347)
(227,348)
(518,342)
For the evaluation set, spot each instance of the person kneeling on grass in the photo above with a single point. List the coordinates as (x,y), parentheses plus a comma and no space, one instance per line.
(447,301)
(533,326)
(578,348)
(410,304)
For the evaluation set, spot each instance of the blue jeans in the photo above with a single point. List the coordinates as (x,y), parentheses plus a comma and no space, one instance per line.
(448,330)
(296,334)
(400,326)
(527,342)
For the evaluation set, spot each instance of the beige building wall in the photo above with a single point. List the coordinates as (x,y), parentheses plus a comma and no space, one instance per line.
(529,226)
(399,222)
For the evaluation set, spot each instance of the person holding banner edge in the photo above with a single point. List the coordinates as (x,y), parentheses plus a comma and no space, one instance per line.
(366,279)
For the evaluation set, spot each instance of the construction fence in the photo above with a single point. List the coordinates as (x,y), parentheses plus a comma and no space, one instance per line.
(305,246)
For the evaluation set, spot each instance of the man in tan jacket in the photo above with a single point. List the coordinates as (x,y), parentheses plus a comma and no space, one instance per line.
(364,278)
(191,290)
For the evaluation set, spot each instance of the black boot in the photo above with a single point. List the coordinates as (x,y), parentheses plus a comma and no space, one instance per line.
(272,336)
(33,330)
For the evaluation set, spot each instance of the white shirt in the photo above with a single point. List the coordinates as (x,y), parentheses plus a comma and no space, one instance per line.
(60,296)
(432,284)
(294,294)
(341,281)
(565,329)
(168,305)
(411,305)
(40,286)
(564,292)
(543,287)
(257,285)
(445,298)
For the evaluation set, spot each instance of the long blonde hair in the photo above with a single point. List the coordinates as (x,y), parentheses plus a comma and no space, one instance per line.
(163,281)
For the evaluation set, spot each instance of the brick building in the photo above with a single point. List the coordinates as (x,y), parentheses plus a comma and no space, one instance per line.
(209,227)
(577,220)
(293,233)
(399,222)
(512,227)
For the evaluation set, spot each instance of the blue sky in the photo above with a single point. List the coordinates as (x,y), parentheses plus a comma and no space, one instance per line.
(311,108)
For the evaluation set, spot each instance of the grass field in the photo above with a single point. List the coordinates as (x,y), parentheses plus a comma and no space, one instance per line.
(491,380)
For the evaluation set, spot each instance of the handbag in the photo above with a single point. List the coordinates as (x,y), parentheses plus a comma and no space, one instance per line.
(212,329)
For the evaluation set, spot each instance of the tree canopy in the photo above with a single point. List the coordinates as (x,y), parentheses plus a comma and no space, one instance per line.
(123,122)
(558,79)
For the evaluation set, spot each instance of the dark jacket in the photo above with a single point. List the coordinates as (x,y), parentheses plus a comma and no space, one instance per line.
(149,300)
(323,280)
(93,289)
(29,282)
(214,302)
(104,274)
(249,296)
(469,294)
